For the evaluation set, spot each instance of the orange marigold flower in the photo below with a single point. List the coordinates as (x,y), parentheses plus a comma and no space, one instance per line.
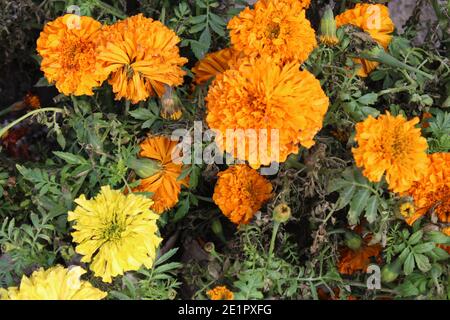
(213,64)
(303,3)
(352,261)
(220,293)
(373,19)
(240,192)
(259,95)
(275,28)
(68,54)
(140,56)
(432,192)
(163,184)
(391,145)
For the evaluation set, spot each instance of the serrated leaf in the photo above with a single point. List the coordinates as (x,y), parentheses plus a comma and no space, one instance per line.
(423,263)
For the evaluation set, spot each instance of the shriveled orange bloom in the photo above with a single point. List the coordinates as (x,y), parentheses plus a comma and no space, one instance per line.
(325,294)
(140,56)
(275,28)
(261,95)
(68,52)
(164,184)
(220,293)
(32,101)
(240,192)
(432,192)
(391,145)
(425,117)
(373,19)
(352,261)
(213,64)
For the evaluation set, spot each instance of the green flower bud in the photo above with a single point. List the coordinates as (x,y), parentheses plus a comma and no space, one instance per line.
(281,213)
(353,240)
(390,272)
(328,28)
(144,168)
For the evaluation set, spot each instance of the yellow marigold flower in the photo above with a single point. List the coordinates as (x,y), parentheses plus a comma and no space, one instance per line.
(261,94)
(68,54)
(373,19)
(391,145)
(140,56)
(240,192)
(275,28)
(164,183)
(115,232)
(214,63)
(432,192)
(220,293)
(56,283)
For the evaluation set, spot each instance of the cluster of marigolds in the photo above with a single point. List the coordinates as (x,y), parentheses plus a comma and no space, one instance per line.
(258,82)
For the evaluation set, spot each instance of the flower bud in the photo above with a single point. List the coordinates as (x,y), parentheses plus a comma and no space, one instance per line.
(170,105)
(328,28)
(390,272)
(281,213)
(209,247)
(353,240)
(144,168)
(216,227)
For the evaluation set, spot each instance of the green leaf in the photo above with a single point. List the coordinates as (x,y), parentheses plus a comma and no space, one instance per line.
(438,237)
(372,209)
(415,237)
(424,247)
(142,114)
(423,263)
(357,204)
(345,197)
(408,266)
(182,210)
(368,99)
(70,158)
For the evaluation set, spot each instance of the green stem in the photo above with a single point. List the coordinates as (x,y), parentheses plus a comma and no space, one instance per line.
(6,111)
(383,57)
(29,114)
(276,226)
(110,9)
